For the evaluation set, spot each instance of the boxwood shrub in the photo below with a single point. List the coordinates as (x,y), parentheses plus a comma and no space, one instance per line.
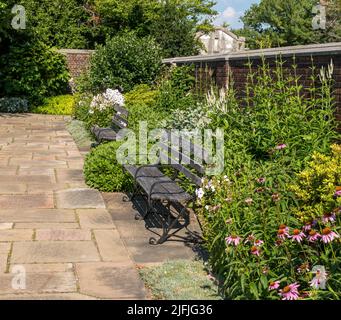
(103,172)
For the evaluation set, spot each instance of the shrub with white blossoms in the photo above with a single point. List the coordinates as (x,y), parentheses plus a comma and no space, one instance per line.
(102,107)
(107,100)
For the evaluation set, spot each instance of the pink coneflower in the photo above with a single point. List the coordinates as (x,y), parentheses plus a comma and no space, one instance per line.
(328,235)
(298,235)
(290,292)
(235,240)
(305,267)
(313,236)
(255,251)
(284,227)
(307,227)
(250,238)
(249,201)
(258,243)
(261,180)
(282,234)
(329,217)
(278,242)
(274,285)
(281,146)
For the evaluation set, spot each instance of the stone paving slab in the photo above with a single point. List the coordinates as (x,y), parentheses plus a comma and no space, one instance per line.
(45,267)
(54,251)
(95,219)
(110,246)
(37,225)
(62,235)
(16,235)
(110,281)
(41,282)
(39,201)
(37,215)
(79,199)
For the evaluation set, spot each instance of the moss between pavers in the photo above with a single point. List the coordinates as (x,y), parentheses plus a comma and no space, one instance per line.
(79,133)
(180,280)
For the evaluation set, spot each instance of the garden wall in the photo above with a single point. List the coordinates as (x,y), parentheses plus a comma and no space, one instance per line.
(77,60)
(215,69)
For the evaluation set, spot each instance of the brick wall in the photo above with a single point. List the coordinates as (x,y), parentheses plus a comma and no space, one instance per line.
(77,60)
(215,69)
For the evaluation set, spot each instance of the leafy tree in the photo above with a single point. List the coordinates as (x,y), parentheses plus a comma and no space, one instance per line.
(61,23)
(283,23)
(85,23)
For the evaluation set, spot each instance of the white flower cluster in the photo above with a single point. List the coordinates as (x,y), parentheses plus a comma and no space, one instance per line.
(106,100)
(115,97)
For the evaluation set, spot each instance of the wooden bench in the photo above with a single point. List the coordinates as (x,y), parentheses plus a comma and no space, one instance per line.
(156,187)
(119,121)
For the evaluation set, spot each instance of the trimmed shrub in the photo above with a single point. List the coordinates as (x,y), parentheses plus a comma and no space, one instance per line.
(60,105)
(13,105)
(126,60)
(103,172)
(33,71)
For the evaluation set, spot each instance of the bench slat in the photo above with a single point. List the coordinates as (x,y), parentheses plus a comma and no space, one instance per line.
(122,111)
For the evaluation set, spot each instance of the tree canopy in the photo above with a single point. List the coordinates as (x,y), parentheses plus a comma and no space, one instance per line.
(84,23)
(283,23)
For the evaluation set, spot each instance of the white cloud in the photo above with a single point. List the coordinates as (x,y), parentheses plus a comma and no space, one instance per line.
(229,12)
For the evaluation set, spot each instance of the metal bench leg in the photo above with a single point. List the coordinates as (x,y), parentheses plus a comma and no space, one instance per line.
(167,228)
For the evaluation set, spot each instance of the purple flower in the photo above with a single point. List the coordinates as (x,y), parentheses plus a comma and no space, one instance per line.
(274,285)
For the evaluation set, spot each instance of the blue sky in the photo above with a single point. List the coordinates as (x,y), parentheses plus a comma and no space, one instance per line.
(231,10)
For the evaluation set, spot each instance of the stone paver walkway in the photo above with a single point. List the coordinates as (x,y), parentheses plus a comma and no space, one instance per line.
(52,225)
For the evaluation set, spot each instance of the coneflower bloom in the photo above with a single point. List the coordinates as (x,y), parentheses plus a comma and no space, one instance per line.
(329,217)
(261,180)
(258,243)
(255,251)
(290,292)
(298,235)
(328,235)
(282,234)
(307,227)
(278,242)
(274,285)
(235,240)
(284,227)
(313,236)
(276,197)
(250,238)
(305,267)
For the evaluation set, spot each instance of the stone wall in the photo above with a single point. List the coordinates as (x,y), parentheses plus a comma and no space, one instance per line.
(77,60)
(215,69)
